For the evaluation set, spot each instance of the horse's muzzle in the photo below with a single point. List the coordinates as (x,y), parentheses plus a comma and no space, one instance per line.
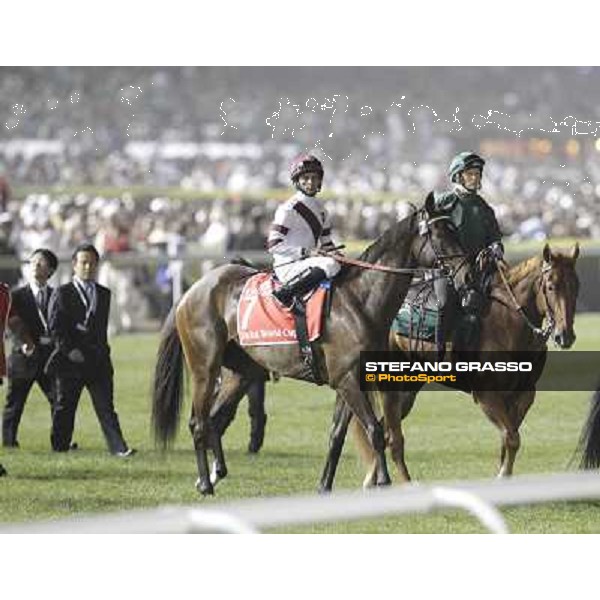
(565,339)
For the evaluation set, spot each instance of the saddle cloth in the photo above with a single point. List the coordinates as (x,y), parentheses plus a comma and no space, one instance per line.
(263,321)
(419,316)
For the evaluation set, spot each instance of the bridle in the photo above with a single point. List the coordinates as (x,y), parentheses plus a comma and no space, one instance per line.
(442,270)
(543,333)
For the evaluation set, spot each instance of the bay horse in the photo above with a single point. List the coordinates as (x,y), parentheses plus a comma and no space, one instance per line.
(542,287)
(203,329)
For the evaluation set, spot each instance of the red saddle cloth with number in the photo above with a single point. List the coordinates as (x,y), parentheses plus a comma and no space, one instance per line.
(5,300)
(263,321)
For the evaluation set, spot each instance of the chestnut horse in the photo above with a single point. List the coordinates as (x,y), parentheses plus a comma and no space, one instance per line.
(203,328)
(545,287)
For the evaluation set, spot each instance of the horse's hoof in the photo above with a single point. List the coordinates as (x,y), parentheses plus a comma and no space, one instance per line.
(324,490)
(216,474)
(206,488)
(384,483)
(257,434)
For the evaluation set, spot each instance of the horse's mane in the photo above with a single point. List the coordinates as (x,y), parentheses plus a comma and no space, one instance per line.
(388,238)
(374,251)
(521,270)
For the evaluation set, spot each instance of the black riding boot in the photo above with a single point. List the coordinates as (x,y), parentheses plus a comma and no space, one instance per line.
(300,285)
(469,326)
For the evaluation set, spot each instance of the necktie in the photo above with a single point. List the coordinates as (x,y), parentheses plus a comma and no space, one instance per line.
(89,292)
(41,300)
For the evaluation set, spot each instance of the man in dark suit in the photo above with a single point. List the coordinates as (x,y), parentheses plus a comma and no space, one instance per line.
(78,321)
(31,343)
(5,301)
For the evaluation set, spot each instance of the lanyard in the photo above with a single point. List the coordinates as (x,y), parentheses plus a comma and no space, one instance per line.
(90,306)
(39,310)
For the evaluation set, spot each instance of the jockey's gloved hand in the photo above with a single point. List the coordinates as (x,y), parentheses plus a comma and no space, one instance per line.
(497,250)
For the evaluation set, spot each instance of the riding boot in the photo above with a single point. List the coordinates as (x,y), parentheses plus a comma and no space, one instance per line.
(469,327)
(468,332)
(297,287)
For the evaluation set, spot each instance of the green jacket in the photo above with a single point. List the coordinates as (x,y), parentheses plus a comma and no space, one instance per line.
(473,217)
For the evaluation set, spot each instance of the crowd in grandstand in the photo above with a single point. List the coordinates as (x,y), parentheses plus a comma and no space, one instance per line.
(385,130)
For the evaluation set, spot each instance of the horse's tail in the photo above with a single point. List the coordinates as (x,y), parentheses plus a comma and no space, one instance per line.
(167,396)
(589,443)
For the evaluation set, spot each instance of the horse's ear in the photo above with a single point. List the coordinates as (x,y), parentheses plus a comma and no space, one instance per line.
(547,253)
(430,203)
(575,251)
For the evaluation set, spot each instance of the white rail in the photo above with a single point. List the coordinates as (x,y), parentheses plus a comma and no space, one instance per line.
(250,516)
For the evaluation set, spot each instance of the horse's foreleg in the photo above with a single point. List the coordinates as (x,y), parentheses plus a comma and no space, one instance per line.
(257,414)
(233,388)
(339,426)
(396,405)
(360,405)
(494,406)
(224,407)
(365,450)
(519,404)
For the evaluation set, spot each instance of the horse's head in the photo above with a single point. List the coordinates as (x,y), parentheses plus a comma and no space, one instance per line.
(437,244)
(558,291)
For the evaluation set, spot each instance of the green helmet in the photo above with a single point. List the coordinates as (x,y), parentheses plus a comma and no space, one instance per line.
(463,161)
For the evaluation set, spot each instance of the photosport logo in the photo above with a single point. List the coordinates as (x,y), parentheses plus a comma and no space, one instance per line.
(484,371)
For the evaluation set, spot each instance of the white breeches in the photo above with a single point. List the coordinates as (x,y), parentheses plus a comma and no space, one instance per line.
(329,265)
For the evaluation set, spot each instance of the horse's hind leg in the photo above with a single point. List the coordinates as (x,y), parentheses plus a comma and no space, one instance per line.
(339,426)
(204,361)
(363,411)
(199,435)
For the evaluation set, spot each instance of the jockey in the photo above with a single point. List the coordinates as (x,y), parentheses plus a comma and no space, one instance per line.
(300,225)
(478,231)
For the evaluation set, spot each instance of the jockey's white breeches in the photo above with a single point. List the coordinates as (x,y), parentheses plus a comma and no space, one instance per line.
(328,264)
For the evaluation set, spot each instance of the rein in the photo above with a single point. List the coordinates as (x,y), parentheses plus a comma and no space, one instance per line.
(546,331)
(373,267)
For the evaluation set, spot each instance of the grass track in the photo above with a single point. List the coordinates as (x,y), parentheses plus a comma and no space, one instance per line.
(447,438)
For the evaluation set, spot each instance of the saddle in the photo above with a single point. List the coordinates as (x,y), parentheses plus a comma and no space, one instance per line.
(422,318)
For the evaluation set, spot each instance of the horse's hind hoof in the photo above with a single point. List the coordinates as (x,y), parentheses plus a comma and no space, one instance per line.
(206,488)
